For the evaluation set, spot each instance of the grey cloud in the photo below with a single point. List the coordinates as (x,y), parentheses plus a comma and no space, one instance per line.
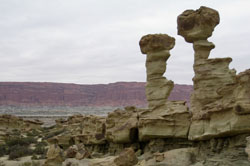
(95,41)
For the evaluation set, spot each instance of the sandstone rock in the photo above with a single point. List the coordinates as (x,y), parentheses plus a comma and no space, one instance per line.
(89,129)
(218,92)
(54,156)
(197,25)
(242,93)
(10,122)
(157,48)
(107,161)
(64,140)
(155,145)
(177,157)
(159,157)
(93,130)
(82,152)
(126,158)
(156,43)
(115,149)
(247,150)
(75,162)
(121,125)
(71,151)
(162,119)
(172,120)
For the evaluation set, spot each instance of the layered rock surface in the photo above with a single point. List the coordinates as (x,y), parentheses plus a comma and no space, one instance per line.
(157,48)
(218,96)
(163,119)
(170,120)
(122,125)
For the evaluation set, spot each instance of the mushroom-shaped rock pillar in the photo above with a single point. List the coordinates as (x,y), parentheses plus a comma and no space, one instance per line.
(196,26)
(215,100)
(157,47)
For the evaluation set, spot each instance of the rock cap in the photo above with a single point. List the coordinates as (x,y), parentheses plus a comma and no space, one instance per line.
(156,42)
(198,24)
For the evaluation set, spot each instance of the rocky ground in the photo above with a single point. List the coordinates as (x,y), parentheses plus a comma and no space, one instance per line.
(112,140)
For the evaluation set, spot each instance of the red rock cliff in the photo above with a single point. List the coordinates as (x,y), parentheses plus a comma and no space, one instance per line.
(60,94)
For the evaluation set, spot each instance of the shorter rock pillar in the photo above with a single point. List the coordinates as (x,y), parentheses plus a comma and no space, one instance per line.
(157,48)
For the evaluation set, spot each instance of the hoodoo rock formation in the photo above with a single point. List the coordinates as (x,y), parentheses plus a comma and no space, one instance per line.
(157,48)
(159,119)
(220,101)
(214,131)
(168,133)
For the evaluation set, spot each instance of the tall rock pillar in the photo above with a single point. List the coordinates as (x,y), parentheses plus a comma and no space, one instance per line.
(157,48)
(196,27)
(219,102)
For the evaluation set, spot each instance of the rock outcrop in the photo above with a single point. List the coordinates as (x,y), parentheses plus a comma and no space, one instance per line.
(170,120)
(122,125)
(10,122)
(219,94)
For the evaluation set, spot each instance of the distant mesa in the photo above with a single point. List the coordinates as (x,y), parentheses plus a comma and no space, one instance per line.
(61,94)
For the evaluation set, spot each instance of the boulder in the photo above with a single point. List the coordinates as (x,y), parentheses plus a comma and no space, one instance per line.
(54,156)
(126,158)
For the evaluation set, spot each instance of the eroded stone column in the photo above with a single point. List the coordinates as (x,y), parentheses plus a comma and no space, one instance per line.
(157,47)
(196,26)
(214,103)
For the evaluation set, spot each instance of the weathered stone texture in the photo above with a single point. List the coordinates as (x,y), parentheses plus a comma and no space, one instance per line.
(198,24)
(156,43)
(121,125)
(219,94)
(54,156)
(157,48)
(170,120)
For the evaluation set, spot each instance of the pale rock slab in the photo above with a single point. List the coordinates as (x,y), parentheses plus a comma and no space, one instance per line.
(171,120)
(176,157)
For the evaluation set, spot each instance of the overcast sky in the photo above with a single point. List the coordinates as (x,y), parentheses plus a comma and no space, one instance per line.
(96,41)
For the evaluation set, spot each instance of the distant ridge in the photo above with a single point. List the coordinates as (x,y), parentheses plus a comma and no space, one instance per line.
(63,94)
